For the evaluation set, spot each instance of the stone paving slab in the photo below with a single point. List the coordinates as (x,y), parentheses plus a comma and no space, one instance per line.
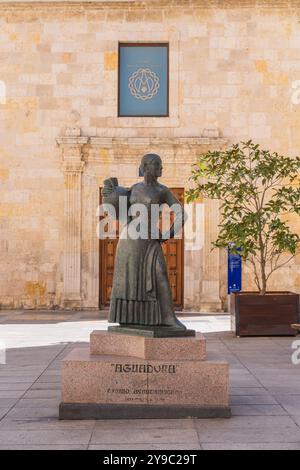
(296,418)
(10,394)
(36,403)
(253,446)
(247,436)
(248,391)
(146,446)
(264,392)
(145,424)
(257,410)
(249,422)
(3,411)
(45,437)
(283,389)
(291,403)
(44,447)
(141,436)
(33,413)
(19,386)
(252,400)
(40,386)
(31,424)
(55,380)
(44,393)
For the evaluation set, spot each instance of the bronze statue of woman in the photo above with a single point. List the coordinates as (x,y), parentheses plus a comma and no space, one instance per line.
(141,293)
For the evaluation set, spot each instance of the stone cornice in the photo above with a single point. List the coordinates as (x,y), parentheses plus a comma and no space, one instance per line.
(153,4)
(108,4)
(110,142)
(163,141)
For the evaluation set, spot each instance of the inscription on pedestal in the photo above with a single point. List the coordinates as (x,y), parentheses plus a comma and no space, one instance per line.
(145,368)
(138,394)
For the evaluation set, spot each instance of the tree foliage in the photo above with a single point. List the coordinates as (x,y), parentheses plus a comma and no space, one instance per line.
(258,189)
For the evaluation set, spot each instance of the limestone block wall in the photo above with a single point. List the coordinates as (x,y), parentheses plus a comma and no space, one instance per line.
(234,67)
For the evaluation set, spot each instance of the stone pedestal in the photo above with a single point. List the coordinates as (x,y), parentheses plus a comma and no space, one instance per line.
(128,377)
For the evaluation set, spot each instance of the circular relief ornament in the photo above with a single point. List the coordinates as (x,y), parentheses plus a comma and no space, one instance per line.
(143,84)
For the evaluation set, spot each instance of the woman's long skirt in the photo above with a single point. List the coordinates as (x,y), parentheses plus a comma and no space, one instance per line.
(141,292)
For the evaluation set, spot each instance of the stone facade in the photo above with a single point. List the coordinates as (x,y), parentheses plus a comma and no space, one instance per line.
(234,67)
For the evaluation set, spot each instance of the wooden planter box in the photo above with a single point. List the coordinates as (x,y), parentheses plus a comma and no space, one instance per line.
(272,314)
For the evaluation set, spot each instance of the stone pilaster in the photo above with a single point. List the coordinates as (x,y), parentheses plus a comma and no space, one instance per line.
(72,168)
(210,297)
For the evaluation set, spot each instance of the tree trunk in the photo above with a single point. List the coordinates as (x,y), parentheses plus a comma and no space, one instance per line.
(263,282)
(262,268)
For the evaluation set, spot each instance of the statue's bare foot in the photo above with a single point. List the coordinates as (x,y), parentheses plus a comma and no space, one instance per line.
(174,323)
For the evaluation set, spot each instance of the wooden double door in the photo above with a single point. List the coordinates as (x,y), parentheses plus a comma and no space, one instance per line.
(173,251)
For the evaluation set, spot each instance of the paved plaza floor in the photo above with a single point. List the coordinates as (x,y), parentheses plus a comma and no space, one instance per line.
(264,390)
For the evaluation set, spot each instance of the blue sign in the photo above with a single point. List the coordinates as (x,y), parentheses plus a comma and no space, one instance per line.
(234,272)
(143,80)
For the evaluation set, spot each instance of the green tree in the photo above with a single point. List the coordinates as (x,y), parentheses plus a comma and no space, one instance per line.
(257,189)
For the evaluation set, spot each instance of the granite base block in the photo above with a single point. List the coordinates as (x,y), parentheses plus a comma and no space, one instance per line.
(99,383)
(168,349)
(79,411)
